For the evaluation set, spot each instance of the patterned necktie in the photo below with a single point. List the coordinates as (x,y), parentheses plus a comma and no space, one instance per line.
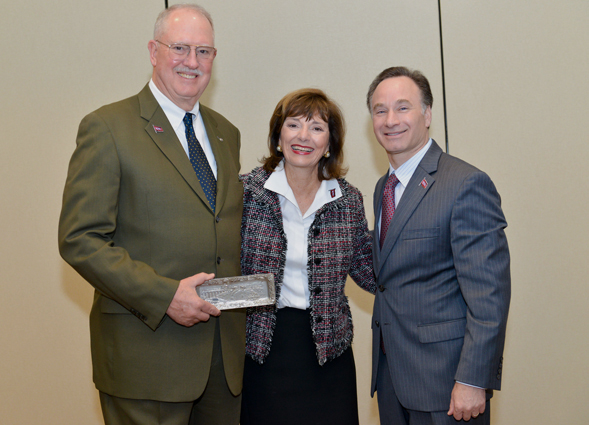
(388,206)
(199,162)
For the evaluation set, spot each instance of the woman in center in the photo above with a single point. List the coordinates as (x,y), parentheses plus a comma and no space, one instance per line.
(305,224)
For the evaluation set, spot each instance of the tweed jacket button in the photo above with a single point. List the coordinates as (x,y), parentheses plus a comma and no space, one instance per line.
(319,319)
(317,290)
(317,261)
(316,232)
(381,288)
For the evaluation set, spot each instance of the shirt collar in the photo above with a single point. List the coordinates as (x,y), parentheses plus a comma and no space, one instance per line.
(173,112)
(328,191)
(406,170)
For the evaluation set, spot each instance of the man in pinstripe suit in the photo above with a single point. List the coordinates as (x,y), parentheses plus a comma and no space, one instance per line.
(442,265)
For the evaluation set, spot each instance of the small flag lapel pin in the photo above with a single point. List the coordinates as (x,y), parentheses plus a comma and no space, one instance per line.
(423,183)
(332,192)
(158,129)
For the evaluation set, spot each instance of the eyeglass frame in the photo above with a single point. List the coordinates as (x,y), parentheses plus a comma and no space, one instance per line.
(190,46)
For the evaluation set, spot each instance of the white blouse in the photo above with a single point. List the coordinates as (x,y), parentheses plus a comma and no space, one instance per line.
(295,288)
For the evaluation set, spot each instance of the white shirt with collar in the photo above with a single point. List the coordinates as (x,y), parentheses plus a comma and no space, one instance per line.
(295,287)
(175,115)
(405,172)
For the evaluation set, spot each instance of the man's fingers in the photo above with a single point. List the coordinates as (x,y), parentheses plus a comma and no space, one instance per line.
(202,278)
(212,311)
(451,410)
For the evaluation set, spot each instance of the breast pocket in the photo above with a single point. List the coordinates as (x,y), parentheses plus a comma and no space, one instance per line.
(423,246)
(412,234)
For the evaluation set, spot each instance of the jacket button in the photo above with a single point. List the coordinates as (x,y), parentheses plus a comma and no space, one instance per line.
(217,219)
(319,319)
(499,376)
(316,232)
(317,261)
(381,288)
(317,290)
(377,323)
(218,260)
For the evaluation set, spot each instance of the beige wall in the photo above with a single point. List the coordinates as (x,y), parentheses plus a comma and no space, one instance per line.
(516,82)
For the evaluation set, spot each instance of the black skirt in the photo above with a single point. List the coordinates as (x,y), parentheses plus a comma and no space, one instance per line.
(291,387)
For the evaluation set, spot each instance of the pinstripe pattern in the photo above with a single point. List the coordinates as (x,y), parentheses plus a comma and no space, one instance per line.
(339,244)
(444,268)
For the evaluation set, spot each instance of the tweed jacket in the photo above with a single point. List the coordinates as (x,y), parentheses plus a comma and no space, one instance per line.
(338,244)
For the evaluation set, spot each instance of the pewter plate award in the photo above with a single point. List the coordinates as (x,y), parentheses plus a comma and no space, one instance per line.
(237,292)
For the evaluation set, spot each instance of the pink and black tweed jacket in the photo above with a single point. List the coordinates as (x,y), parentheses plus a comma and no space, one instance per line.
(339,244)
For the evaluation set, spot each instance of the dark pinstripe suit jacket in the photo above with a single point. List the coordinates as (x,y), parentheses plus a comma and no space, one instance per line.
(444,283)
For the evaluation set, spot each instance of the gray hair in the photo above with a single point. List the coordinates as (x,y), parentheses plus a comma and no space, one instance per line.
(161,21)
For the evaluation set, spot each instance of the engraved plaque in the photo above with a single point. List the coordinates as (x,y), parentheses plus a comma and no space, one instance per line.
(237,292)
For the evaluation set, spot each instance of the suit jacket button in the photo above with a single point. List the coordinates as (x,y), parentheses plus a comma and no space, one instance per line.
(317,290)
(319,319)
(499,376)
(317,261)
(316,232)
(381,288)
(377,323)
(218,260)
(218,219)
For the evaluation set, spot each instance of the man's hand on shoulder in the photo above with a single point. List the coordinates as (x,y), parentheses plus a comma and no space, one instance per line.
(466,402)
(187,308)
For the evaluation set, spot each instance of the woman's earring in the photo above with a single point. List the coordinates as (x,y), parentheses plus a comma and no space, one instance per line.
(279,148)
(327,154)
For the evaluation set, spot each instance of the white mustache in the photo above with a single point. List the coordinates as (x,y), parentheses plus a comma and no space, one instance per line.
(181,68)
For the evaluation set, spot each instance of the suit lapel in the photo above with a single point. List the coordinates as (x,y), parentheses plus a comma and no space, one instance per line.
(161,132)
(222,156)
(421,182)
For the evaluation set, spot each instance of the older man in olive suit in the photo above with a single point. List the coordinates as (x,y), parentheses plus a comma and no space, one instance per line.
(442,266)
(152,208)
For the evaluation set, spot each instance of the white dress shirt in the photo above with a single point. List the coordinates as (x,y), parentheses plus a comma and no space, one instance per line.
(175,115)
(404,174)
(295,287)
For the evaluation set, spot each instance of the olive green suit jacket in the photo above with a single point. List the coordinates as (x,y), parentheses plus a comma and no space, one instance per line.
(134,222)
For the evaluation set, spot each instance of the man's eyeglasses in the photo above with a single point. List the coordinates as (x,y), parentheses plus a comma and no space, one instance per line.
(204,53)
